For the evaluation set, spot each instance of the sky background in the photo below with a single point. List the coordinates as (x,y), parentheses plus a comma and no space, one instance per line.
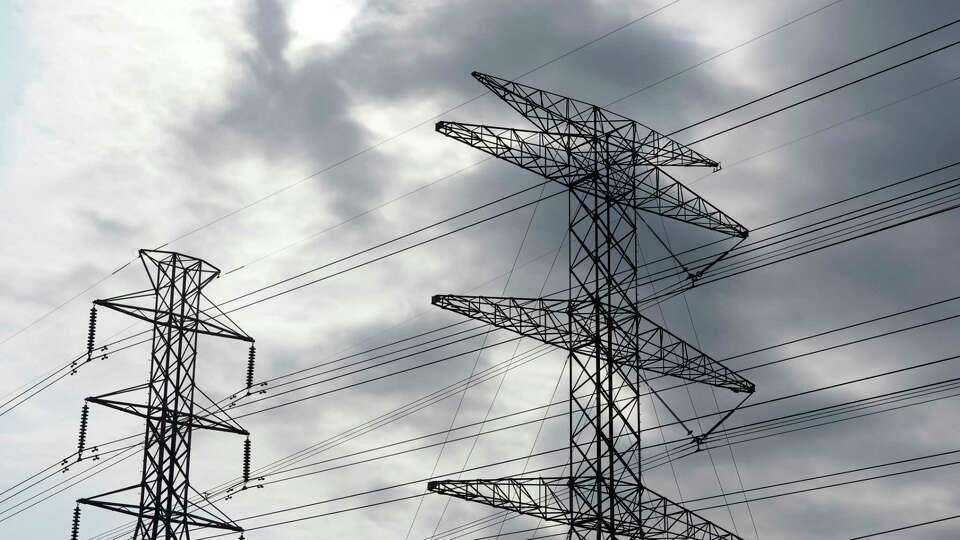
(133,125)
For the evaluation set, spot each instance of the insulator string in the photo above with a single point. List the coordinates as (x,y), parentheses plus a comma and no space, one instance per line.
(91,332)
(251,359)
(246,462)
(82,440)
(75,528)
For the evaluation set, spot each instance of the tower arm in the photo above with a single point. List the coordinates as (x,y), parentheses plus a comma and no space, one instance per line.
(555,113)
(547,498)
(569,159)
(202,325)
(642,343)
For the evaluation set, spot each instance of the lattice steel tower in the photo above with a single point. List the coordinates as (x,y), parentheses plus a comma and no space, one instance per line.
(612,169)
(173,305)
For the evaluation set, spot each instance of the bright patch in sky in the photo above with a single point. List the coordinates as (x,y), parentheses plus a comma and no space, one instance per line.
(318,23)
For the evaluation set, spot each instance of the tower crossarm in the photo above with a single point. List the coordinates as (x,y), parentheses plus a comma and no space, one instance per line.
(654,348)
(667,520)
(555,113)
(563,158)
(545,498)
(177,418)
(541,319)
(645,345)
(204,520)
(549,499)
(204,324)
(633,177)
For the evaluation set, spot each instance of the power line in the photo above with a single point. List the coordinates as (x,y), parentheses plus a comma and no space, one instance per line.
(824,93)
(831,475)
(868,112)
(523,241)
(342,161)
(547,452)
(726,51)
(905,527)
(815,77)
(533,187)
(838,484)
(823,388)
(795,492)
(417,125)
(850,326)
(741,250)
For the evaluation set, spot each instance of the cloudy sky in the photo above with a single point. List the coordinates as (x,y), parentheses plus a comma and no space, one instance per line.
(267,137)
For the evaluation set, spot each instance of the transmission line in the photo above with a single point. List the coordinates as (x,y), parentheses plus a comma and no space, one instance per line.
(560,449)
(906,527)
(417,125)
(850,326)
(862,339)
(755,499)
(815,77)
(342,161)
(533,187)
(769,421)
(824,93)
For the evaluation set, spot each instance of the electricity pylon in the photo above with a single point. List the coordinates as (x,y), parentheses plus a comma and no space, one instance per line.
(612,169)
(173,306)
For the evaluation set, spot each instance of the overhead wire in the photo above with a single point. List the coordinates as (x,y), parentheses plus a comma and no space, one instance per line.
(854,381)
(344,160)
(906,527)
(829,71)
(563,449)
(824,93)
(336,164)
(889,315)
(496,394)
(828,486)
(815,77)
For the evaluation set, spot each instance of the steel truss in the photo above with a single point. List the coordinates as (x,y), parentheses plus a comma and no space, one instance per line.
(173,307)
(611,167)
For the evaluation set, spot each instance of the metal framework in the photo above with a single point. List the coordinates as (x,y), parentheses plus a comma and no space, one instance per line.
(611,167)
(172,411)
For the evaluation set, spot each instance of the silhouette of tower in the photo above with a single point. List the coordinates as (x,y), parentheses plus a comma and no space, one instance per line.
(173,305)
(612,169)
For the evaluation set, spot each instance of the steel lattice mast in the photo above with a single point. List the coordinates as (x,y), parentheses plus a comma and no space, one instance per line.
(611,166)
(173,307)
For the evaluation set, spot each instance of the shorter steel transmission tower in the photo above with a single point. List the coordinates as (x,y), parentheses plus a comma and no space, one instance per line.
(173,305)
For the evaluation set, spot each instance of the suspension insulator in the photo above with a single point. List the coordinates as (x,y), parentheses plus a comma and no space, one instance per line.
(82,441)
(246,461)
(251,358)
(91,332)
(75,529)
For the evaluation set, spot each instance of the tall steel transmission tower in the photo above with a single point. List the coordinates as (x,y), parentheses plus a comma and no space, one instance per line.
(612,169)
(172,410)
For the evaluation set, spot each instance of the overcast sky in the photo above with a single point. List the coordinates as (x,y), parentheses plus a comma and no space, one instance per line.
(203,126)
